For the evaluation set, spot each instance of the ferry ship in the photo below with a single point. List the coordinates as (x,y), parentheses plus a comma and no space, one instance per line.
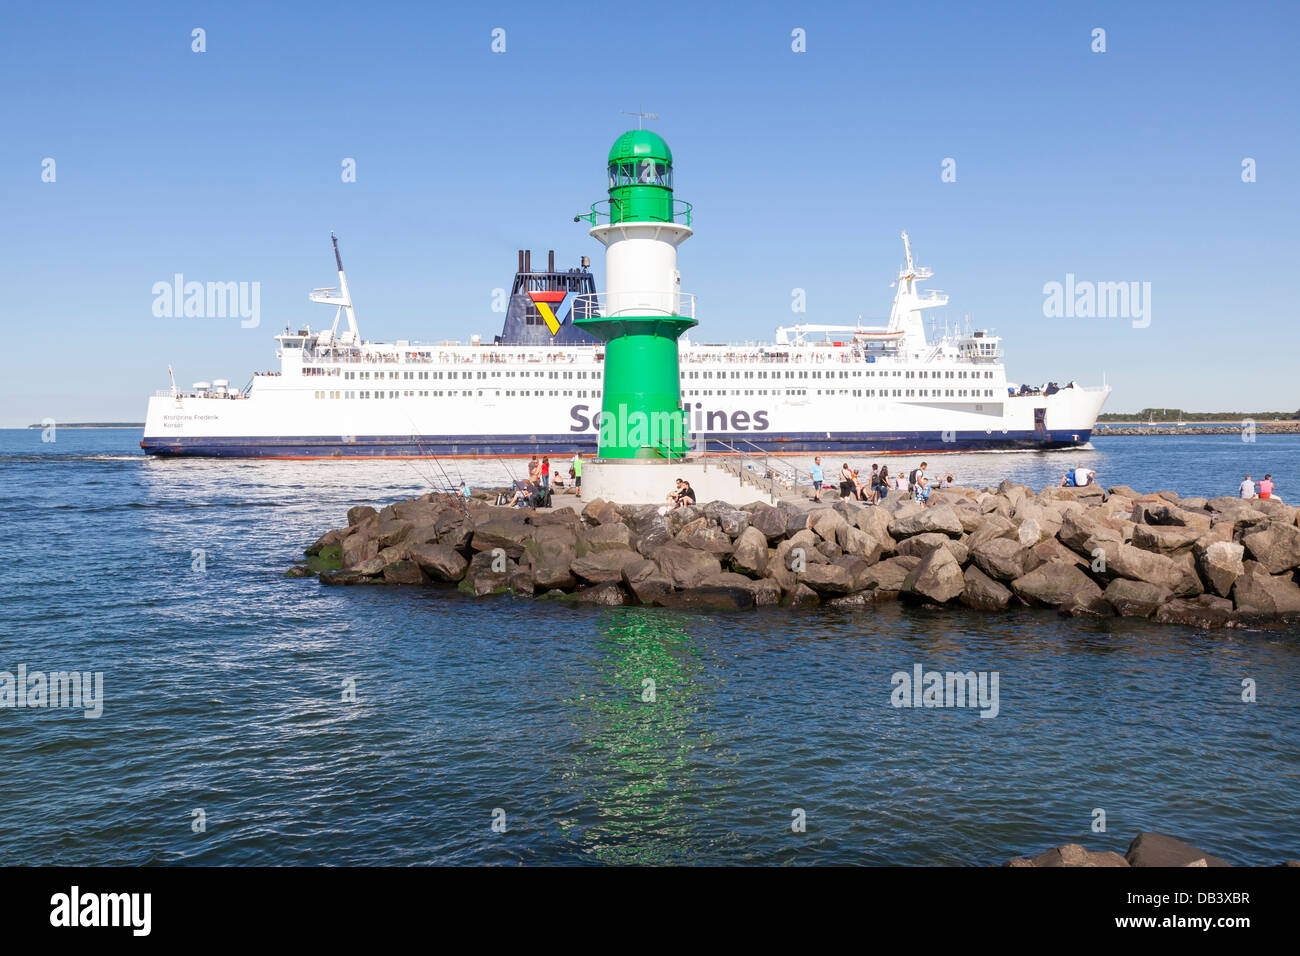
(536,387)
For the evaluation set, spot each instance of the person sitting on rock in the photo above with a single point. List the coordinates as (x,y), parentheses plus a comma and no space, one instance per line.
(683,496)
(686,496)
(1077,478)
(521,496)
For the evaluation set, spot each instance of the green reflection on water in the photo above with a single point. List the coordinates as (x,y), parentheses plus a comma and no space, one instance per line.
(634,777)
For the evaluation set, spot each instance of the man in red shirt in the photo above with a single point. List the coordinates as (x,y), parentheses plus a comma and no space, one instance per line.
(1266,487)
(546,471)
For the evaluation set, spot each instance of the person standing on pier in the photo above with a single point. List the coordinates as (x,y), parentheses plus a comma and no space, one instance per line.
(818,477)
(575,469)
(848,486)
(546,472)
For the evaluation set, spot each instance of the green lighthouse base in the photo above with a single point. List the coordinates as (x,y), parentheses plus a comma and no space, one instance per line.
(641,415)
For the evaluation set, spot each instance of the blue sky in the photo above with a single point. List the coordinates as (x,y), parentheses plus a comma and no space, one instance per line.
(802,167)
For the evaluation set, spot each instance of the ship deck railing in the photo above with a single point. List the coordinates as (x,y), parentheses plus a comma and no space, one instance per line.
(493,354)
(167,393)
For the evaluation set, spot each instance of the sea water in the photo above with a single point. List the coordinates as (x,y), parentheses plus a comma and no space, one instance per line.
(250,718)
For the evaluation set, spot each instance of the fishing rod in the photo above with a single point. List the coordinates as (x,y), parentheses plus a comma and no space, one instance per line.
(449,493)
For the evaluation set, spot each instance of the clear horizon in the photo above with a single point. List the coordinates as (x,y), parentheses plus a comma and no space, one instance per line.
(1071,167)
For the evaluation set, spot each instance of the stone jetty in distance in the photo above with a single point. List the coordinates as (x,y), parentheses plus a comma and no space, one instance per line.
(1086,552)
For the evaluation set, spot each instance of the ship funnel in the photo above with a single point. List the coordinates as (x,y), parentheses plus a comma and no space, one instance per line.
(550,261)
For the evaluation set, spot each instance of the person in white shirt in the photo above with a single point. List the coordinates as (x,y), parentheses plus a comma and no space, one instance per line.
(1248,488)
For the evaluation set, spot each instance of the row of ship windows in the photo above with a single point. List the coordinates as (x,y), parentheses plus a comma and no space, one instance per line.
(583,393)
(427,376)
(855,392)
(450,393)
(854,374)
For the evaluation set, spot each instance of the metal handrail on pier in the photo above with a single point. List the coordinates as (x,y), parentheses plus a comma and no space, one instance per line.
(765,479)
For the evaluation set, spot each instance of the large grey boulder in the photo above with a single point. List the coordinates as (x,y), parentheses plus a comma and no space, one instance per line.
(922,544)
(827,579)
(981,592)
(359,546)
(686,567)
(391,531)
(705,538)
(604,594)
(1071,855)
(1221,565)
(1051,549)
(1135,598)
(359,513)
(937,578)
(940,519)
(550,558)
(1258,592)
(1054,584)
(439,561)
(889,574)
(1276,546)
(655,536)
(1002,559)
(852,540)
(608,537)
(710,599)
(769,521)
(647,583)
(749,556)
(1194,614)
(825,522)
(991,526)
(1157,849)
(404,571)
(599,567)
(1168,540)
(510,536)
(1126,561)
(875,522)
(733,522)
(1047,520)
(348,577)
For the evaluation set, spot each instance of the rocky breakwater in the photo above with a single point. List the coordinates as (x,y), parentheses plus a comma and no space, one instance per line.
(1082,551)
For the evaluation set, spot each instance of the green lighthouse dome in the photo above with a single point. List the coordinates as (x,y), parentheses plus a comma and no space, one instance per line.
(640,144)
(640,178)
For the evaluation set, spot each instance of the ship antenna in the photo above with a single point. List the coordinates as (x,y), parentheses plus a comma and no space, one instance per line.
(338,260)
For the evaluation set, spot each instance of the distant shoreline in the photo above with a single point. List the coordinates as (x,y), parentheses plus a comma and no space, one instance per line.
(1106,430)
(89,425)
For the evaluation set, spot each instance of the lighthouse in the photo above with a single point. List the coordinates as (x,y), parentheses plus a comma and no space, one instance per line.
(643,310)
(644,434)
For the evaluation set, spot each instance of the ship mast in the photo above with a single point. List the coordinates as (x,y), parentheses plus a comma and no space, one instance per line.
(905,316)
(340,297)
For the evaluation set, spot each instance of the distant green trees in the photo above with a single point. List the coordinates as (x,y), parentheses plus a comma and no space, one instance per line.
(1179,415)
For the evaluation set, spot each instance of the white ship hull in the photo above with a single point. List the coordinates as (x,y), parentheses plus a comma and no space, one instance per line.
(532,391)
